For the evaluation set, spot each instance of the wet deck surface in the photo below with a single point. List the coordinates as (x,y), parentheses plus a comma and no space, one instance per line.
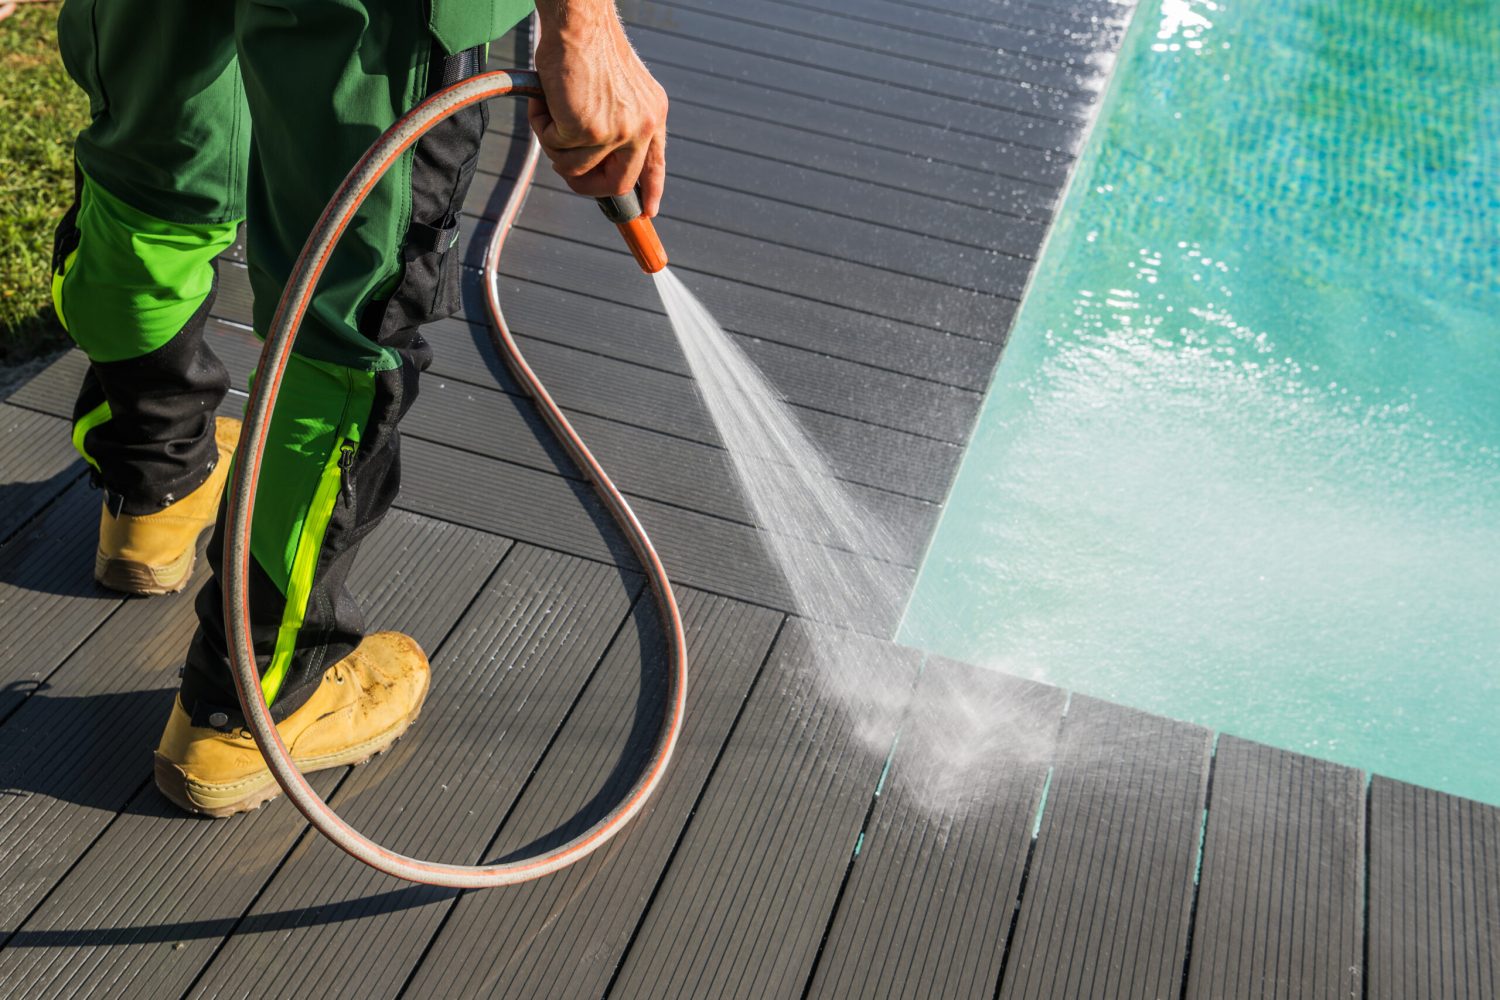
(1141,858)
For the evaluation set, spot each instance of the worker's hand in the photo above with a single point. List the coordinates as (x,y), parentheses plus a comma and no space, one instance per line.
(604,120)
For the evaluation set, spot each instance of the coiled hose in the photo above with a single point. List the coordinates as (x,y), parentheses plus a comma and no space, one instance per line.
(278,347)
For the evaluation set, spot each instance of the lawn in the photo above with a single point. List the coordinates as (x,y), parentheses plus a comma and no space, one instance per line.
(40,110)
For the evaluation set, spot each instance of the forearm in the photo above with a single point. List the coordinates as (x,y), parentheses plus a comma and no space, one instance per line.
(570,19)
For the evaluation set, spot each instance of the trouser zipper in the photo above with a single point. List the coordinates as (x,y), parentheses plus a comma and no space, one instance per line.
(346,474)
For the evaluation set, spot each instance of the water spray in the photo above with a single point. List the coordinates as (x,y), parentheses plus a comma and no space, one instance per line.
(640,236)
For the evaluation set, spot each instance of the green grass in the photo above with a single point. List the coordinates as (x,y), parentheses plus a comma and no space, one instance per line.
(40,111)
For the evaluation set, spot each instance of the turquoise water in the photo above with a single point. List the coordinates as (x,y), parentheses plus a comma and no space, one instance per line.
(1240,463)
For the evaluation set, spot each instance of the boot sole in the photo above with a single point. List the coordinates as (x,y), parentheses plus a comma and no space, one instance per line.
(130,577)
(223,801)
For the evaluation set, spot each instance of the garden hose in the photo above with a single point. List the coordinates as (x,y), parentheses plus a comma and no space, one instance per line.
(297,295)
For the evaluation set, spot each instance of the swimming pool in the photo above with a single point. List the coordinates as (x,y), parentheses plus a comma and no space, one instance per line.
(1240,463)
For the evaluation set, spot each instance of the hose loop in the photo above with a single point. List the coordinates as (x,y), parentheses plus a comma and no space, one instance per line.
(294,303)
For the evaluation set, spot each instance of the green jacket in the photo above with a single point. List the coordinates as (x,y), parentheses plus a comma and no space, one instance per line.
(463,24)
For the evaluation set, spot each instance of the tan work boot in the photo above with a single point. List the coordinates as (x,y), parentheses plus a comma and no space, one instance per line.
(364,704)
(154,553)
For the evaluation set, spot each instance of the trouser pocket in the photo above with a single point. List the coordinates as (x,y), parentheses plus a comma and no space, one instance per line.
(432,266)
(443,165)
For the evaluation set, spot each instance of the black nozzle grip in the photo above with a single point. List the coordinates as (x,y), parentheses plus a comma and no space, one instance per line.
(621,208)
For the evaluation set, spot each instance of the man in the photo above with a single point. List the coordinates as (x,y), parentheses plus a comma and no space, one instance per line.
(213,112)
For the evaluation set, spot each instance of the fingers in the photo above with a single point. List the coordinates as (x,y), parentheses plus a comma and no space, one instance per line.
(578,163)
(615,174)
(538,115)
(653,174)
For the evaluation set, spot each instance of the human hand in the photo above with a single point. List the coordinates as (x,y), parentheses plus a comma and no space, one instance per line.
(603,122)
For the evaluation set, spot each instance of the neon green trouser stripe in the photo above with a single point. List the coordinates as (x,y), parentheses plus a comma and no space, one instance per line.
(86,423)
(304,566)
(57,283)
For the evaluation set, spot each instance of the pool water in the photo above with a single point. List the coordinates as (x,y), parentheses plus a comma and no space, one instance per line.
(1240,463)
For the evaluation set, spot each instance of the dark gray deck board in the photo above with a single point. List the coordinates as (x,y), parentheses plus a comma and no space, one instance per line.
(1434,894)
(1281,897)
(78,749)
(742,906)
(36,465)
(817,330)
(526,943)
(1106,906)
(930,896)
(155,878)
(764,322)
(502,686)
(49,601)
(53,390)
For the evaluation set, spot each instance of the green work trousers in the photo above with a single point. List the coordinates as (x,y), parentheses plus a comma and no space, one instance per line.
(206,114)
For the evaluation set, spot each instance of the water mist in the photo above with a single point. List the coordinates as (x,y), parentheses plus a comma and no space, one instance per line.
(842,570)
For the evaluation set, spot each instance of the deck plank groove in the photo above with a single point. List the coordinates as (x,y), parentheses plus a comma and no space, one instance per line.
(1281,902)
(1434,894)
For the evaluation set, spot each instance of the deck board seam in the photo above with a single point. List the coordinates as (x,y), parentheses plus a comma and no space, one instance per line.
(838,897)
(1192,917)
(642,594)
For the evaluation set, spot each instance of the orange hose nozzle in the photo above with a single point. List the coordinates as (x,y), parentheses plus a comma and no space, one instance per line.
(645,245)
(640,235)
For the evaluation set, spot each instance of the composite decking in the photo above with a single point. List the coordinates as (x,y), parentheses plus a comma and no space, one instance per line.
(860,190)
